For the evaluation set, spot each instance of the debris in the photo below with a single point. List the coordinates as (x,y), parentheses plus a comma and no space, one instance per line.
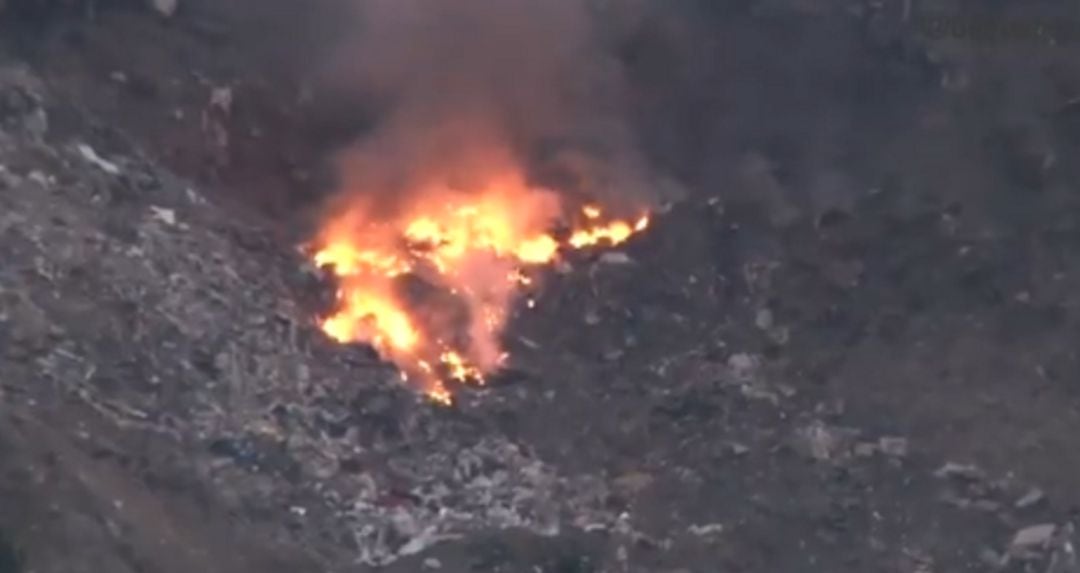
(167,216)
(991,558)
(865,449)
(962,471)
(221,99)
(823,443)
(738,449)
(616,258)
(90,155)
(764,319)
(743,365)
(432,563)
(707,530)
(1034,535)
(1030,499)
(632,483)
(166,8)
(893,446)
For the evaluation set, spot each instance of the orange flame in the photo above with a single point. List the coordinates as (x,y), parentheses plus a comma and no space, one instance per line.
(478,246)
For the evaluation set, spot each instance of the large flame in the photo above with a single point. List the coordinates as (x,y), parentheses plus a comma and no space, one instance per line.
(477,247)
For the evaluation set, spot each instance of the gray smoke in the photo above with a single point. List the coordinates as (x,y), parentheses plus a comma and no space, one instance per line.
(457,82)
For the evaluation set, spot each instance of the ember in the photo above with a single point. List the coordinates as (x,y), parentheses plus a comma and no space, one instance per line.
(479,247)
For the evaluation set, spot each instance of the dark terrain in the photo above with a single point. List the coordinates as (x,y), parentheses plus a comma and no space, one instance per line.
(852,348)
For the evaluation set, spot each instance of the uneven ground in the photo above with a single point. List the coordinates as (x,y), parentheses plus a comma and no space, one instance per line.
(852,349)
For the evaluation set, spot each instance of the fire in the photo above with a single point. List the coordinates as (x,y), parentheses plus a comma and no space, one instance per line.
(478,249)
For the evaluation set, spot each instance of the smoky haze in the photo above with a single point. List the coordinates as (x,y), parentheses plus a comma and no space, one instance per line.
(464,86)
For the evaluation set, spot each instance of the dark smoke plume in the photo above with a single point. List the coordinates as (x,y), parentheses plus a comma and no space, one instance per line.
(458,84)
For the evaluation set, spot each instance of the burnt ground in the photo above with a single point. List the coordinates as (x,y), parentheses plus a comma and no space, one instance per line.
(851,349)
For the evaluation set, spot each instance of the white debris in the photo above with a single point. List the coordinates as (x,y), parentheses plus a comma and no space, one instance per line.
(420,542)
(743,365)
(1030,498)
(707,530)
(221,99)
(165,7)
(40,178)
(616,258)
(965,471)
(893,446)
(90,155)
(432,563)
(1035,535)
(764,319)
(167,216)
(822,442)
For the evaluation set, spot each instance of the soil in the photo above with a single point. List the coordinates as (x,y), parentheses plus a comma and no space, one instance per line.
(850,349)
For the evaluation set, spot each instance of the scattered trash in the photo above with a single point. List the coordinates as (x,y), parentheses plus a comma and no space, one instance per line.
(90,155)
(743,365)
(221,100)
(167,216)
(962,471)
(1029,499)
(706,530)
(764,319)
(1032,536)
(865,449)
(616,258)
(632,483)
(165,8)
(823,443)
(893,446)
(738,449)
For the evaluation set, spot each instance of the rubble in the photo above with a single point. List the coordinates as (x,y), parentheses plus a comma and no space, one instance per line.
(1031,498)
(171,342)
(180,331)
(166,8)
(1033,536)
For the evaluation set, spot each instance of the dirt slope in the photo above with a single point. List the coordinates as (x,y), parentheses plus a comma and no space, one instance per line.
(851,350)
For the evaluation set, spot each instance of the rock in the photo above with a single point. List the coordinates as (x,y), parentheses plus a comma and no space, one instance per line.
(1033,536)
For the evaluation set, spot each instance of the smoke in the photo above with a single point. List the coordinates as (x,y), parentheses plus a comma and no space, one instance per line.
(467,88)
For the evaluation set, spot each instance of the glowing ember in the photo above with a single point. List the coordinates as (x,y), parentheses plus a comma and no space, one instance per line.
(477,247)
